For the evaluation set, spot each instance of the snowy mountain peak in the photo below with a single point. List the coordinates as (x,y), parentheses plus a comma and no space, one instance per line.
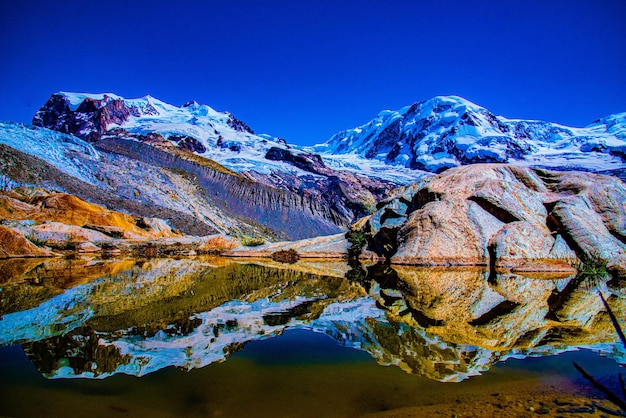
(93,116)
(448,131)
(431,135)
(614,124)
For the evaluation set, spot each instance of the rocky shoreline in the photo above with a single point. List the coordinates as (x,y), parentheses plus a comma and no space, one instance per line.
(36,222)
(499,216)
(503,217)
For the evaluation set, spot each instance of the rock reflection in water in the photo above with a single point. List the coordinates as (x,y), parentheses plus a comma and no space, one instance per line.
(137,317)
(465,321)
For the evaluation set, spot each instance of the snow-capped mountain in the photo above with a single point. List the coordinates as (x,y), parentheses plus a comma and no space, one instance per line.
(117,124)
(152,154)
(201,170)
(449,131)
(195,127)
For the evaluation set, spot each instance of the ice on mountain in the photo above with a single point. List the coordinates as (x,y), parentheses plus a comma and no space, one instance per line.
(449,131)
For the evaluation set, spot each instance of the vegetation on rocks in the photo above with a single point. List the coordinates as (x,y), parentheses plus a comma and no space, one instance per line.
(592,268)
(249,241)
(217,245)
(358,240)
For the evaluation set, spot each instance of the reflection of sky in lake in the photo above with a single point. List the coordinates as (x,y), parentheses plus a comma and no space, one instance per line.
(96,319)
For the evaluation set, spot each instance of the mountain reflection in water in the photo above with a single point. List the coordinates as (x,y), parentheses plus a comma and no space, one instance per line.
(81,318)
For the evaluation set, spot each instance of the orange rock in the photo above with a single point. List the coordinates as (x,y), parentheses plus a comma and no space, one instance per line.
(42,206)
(13,244)
(505,216)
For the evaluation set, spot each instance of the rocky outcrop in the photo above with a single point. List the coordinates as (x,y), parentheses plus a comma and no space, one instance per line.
(305,161)
(350,196)
(188,143)
(13,244)
(134,198)
(43,206)
(34,220)
(89,120)
(63,236)
(285,214)
(591,213)
(238,125)
(504,216)
(321,204)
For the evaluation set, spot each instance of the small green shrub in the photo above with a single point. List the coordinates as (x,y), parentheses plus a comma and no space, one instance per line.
(591,268)
(357,240)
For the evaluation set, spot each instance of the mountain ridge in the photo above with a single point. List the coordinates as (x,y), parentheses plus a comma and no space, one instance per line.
(427,136)
(112,144)
(448,131)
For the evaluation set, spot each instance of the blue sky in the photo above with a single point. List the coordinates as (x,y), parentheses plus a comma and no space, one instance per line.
(303,70)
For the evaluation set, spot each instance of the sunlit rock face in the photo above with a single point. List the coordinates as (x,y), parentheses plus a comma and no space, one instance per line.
(59,210)
(13,244)
(95,319)
(90,118)
(505,217)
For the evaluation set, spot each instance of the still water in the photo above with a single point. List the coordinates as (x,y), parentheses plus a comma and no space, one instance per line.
(217,337)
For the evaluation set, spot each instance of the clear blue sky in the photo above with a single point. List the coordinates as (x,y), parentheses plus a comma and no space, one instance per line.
(303,69)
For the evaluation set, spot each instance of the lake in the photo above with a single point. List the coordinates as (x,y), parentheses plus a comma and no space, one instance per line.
(219,337)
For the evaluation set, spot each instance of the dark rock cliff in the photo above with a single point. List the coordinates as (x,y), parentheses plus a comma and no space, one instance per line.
(350,196)
(89,120)
(286,214)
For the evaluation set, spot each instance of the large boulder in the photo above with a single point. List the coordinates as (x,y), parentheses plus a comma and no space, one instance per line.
(446,232)
(521,243)
(505,216)
(586,230)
